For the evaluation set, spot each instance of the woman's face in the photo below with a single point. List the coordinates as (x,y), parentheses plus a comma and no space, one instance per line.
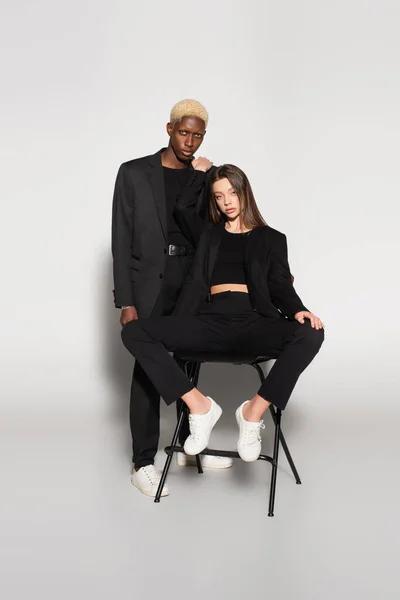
(226,198)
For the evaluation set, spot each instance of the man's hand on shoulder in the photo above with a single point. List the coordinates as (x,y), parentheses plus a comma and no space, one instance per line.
(128,314)
(201,164)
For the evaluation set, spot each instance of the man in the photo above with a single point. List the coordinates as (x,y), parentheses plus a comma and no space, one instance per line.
(151,257)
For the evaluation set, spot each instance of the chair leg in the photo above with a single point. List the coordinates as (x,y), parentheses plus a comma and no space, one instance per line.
(170,455)
(275,464)
(281,436)
(192,370)
(285,448)
(195,373)
(195,380)
(199,466)
(179,403)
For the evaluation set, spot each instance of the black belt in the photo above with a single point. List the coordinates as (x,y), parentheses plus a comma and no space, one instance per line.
(180,250)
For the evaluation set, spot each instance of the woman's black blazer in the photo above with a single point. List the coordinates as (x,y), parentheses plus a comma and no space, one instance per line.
(267,271)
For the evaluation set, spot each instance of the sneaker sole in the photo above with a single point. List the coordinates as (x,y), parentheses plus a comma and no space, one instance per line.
(194,464)
(218,413)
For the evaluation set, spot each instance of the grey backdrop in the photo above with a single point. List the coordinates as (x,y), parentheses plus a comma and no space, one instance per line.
(304,97)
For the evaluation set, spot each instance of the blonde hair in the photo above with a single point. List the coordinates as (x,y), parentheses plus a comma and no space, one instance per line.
(188,108)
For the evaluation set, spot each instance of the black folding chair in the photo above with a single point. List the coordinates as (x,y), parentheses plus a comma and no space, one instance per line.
(191,365)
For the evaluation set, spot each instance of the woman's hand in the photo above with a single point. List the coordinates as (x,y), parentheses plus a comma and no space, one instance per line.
(201,164)
(315,321)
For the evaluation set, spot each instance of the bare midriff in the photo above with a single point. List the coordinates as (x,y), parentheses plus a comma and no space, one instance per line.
(228,287)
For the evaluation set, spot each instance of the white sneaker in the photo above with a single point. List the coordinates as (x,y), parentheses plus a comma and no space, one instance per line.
(249,442)
(146,480)
(207,462)
(200,427)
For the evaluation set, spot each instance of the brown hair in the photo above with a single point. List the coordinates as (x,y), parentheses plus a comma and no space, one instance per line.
(251,216)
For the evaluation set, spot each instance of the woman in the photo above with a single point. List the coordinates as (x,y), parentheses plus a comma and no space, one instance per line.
(238,297)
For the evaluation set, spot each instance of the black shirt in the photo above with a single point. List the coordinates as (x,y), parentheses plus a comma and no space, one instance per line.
(174,182)
(229,266)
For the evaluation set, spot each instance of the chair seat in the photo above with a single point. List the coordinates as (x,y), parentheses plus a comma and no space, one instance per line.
(236,359)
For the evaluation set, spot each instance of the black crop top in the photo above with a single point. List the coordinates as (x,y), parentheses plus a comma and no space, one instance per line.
(229,266)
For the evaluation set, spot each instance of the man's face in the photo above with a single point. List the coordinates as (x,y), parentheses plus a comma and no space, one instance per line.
(186,137)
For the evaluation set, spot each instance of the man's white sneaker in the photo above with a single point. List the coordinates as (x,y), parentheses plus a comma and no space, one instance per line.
(207,462)
(200,427)
(146,480)
(249,442)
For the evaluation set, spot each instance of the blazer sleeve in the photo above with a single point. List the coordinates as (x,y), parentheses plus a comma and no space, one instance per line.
(283,294)
(191,209)
(121,238)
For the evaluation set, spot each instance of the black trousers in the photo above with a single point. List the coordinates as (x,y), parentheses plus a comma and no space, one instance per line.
(144,409)
(227,324)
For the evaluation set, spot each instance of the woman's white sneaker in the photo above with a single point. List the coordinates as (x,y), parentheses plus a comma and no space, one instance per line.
(146,480)
(249,442)
(200,427)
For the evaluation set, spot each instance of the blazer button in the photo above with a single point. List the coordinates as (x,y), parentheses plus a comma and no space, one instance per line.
(160,275)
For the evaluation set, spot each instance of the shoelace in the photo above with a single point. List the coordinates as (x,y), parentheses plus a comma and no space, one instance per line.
(193,426)
(252,436)
(151,475)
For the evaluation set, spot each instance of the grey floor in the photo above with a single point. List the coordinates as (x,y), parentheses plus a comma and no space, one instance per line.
(74,527)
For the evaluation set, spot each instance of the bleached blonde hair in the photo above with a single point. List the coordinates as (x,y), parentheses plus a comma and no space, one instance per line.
(188,108)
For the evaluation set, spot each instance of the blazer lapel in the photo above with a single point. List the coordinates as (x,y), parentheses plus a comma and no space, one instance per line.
(215,240)
(156,179)
(252,240)
(253,249)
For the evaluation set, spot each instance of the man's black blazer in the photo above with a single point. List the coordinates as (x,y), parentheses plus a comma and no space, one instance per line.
(267,271)
(139,232)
